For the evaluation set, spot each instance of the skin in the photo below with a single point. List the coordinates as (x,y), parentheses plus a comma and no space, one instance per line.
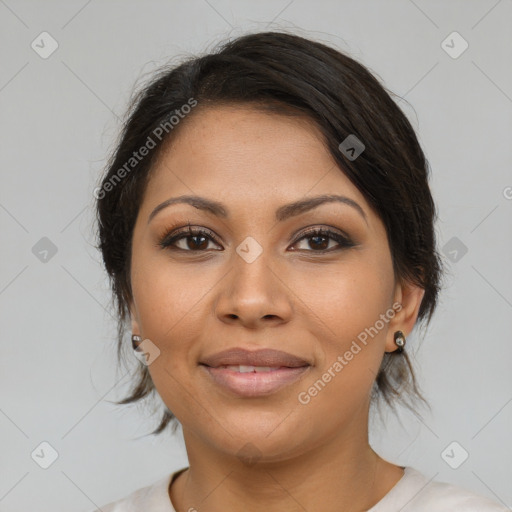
(311,302)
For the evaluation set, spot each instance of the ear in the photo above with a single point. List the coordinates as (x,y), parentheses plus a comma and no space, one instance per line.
(407,301)
(134,318)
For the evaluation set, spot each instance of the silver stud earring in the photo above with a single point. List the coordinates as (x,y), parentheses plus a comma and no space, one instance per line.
(400,341)
(136,341)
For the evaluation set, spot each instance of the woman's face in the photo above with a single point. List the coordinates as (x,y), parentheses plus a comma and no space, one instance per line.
(255,281)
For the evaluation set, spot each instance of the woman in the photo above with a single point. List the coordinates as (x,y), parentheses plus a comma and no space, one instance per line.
(268,228)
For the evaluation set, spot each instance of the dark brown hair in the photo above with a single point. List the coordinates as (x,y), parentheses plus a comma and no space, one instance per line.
(286,74)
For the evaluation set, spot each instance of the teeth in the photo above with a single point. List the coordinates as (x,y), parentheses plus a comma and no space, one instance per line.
(248,369)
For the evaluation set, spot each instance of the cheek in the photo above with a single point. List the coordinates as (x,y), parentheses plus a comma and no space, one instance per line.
(167,306)
(348,299)
(348,306)
(166,294)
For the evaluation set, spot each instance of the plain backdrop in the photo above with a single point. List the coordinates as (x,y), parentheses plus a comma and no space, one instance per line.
(60,116)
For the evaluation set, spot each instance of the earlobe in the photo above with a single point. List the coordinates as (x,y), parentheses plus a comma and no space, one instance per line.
(136,335)
(409,296)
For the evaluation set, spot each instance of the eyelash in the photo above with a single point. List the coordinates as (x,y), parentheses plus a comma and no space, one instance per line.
(167,241)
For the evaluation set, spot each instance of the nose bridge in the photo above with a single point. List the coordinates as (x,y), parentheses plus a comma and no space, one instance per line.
(253,290)
(252,274)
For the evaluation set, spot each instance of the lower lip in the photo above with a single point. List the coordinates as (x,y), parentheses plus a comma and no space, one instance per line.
(254,384)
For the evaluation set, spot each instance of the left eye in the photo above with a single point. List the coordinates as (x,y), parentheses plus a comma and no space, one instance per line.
(320,238)
(197,240)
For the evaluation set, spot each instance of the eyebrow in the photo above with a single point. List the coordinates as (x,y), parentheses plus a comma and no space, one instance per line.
(282,213)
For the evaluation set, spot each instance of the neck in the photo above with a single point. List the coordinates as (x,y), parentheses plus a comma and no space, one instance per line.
(343,473)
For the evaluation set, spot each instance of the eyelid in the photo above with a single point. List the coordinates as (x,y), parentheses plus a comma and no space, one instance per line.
(320,227)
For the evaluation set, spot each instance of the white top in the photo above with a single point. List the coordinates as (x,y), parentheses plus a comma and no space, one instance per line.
(412,493)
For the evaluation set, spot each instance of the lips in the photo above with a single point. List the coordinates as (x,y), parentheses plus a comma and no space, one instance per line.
(246,361)
(253,373)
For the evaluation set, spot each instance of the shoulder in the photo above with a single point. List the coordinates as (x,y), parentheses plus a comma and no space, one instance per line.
(151,498)
(428,495)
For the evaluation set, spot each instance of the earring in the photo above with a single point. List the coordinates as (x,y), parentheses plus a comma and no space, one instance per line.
(136,341)
(399,341)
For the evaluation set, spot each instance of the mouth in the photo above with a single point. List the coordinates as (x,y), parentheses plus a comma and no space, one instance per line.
(253,373)
(250,381)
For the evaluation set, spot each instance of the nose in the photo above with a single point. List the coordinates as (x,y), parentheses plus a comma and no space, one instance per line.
(254,294)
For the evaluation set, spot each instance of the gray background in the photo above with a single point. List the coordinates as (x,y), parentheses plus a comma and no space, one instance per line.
(59,119)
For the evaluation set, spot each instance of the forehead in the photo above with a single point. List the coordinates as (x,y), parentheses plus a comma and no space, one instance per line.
(228,133)
(243,154)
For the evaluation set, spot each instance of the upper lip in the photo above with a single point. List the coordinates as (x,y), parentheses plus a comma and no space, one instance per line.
(260,357)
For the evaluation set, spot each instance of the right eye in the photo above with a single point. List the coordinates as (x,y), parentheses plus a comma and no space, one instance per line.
(196,240)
